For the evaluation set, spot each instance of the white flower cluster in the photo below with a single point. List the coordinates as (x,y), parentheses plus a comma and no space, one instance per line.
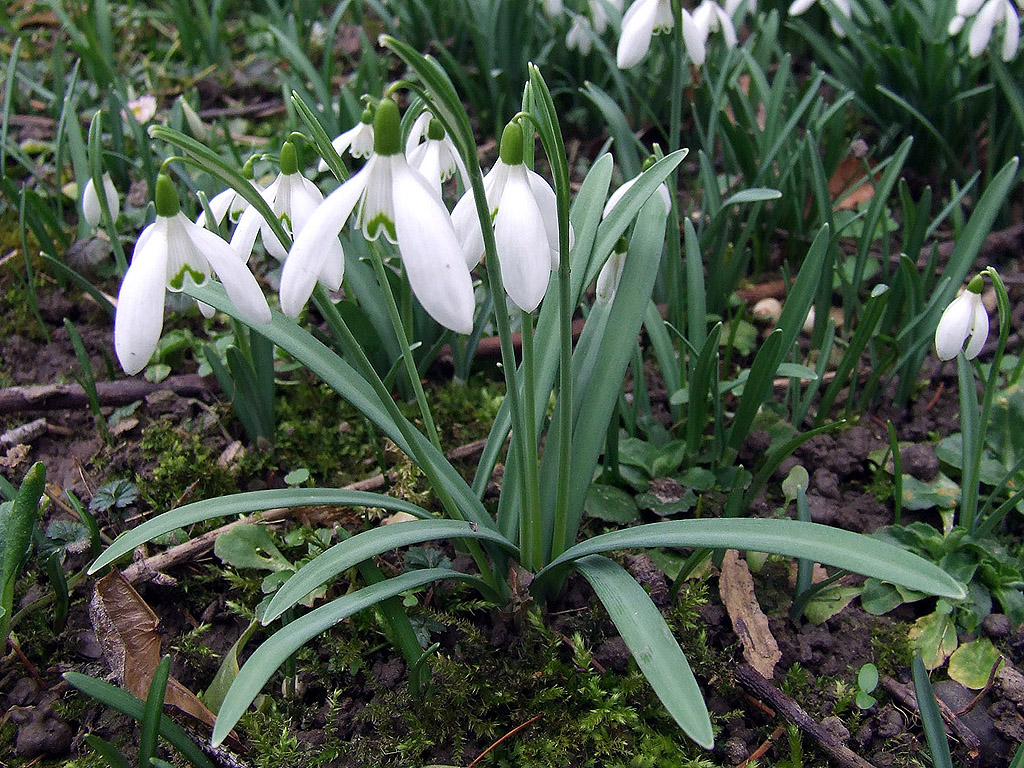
(397,194)
(646,18)
(985,16)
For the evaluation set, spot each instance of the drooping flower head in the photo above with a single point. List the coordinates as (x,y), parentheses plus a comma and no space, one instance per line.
(524,213)
(229,204)
(578,38)
(987,16)
(292,198)
(643,20)
(431,151)
(357,140)
(169,251)
(965,319)
(798,7)
(91,210)
(395,200)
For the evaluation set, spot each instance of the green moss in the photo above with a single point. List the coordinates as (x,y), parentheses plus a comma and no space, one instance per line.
(183,463)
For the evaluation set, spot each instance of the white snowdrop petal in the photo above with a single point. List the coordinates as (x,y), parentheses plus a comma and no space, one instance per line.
(800,6)
(693,39)
(524,250)
(244,237)
(430,251)
(140,302)
(1011,34)
(981,31)
(953,327)
(637,30)
(548,205)
(234,274)
(979,329)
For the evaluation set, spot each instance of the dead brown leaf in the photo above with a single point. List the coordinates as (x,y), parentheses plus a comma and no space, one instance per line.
(128,633)
(850,185)
(748,620)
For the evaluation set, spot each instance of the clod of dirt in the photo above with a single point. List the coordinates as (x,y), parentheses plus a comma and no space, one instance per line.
(920,461)
(735,750)
(996,625)
(613,654)
(826,483)
(1009,684)
(650,576)
(977,719)
(755,447)
(835,727)
(41,732)
(24,694)
(389,673)
(888,722)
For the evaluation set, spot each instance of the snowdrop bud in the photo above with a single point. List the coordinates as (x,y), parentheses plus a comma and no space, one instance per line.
(91,201)
(387,129)
(167,203)
(965,319)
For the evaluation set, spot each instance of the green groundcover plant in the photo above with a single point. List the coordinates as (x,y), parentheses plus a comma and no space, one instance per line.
(541,249)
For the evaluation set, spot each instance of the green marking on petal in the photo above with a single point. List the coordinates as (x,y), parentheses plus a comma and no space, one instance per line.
(374,226)
(177,281)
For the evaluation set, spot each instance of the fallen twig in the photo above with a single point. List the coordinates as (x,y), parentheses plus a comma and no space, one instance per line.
(904,693)
(751,679)
(46,397)
(508,735)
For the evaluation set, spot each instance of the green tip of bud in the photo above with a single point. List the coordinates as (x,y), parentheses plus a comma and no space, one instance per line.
(167,203)
(621,246)
(651,160)
(367,117)
(977,284)
(248,170)
(435,131)
(512,144)
(289,159)
(387,129)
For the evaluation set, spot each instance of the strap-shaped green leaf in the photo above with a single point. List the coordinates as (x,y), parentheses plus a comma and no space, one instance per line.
(813,541)
(652,644)
(367,544)
(244,504)
(134,707)
(282,644)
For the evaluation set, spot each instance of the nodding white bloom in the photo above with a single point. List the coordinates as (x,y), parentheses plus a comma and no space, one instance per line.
(357,140)
(228,203)
(800,6)
(170,249)
(710,17)
(552,8)
(431,151)
(611,273)
(293,198)
(394,200)
(643,20)
(598,15)
(986,16)
(964,319)
(91,201)
(579,35)
(525,217)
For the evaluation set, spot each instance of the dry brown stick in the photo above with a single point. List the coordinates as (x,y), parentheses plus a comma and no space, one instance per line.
(762,750)
(751,679)
(45,397)
(904,693)
(508,735)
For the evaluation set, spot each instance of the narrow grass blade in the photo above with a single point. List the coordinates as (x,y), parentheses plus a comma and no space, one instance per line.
(928,707)
(18,537)
(152,714)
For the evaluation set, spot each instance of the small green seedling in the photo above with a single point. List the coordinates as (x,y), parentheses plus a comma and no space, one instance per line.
(867,681)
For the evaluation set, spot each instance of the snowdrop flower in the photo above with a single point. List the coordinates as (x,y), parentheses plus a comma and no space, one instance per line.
(293,198)
(435,156)
(524,212)
(395,200)
(710,17)
(965,318)
(643,20)
(357,140)
(800,6)
(228,204)
(169,250)
(552,8)
(987,16)
(598,16)
(91,201)
(578,36)
(611,273)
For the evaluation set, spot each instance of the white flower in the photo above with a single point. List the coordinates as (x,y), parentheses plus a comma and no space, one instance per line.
(710,17)
(598,15)
(143,108)
(430,150)
(524,212)
(611,273)
(293,198)
(393,199)
(228,204)
(987,16)
(552,8)
(800,6)
(167,251)
(965,318)
(644,19)
(91,201)
(578,36)
(357,140)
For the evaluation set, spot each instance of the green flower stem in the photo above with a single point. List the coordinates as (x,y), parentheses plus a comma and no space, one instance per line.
(673,267)
(531,538)
(96,174)
(970,490)
(403,341)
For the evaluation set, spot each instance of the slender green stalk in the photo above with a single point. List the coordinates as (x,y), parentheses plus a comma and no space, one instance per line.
(403,341)
(530,535)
